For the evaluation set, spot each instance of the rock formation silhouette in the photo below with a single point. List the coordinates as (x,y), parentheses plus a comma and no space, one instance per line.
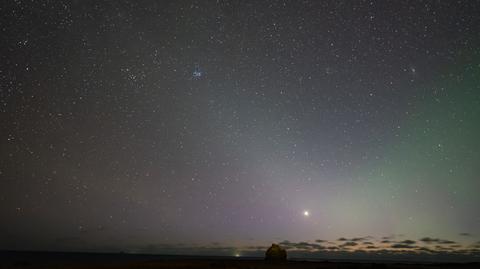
(275,253)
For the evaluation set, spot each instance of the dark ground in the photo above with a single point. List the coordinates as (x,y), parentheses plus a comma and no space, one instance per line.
(54,260)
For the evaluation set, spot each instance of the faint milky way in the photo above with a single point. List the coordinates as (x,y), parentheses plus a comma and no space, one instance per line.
(229,125)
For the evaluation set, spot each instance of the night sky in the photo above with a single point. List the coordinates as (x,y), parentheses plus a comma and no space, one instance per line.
(219,127)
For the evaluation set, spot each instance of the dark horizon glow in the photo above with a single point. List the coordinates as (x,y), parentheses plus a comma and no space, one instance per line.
(339,129)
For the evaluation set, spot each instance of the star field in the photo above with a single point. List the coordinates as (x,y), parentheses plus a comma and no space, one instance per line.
(224,126)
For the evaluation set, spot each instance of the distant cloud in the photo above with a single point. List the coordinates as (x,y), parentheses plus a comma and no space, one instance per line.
(305,245)
(287,244)
(437,249)
(465,234)
(402,246)
(386,247)
(355,239)
(407,242)
(424,249)
(440,247)
(256,248)
(301,245)
(430,240)
(349,244)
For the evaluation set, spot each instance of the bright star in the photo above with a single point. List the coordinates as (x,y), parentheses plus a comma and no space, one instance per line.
(306,213)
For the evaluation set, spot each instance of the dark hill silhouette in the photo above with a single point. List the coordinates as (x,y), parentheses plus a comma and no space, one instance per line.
(276,253)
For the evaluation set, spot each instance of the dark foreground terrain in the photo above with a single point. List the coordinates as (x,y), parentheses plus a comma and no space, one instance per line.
(55,260)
